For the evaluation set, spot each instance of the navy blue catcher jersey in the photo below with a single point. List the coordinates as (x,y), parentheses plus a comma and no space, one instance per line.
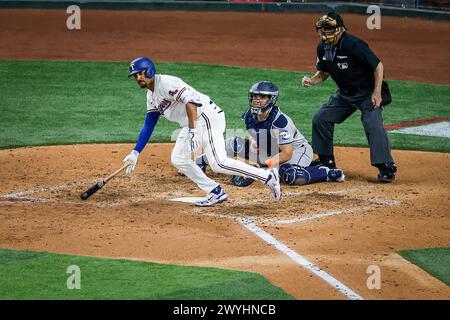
(277,129)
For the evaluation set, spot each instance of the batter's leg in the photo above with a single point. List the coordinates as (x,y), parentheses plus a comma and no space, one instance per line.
(181,159)
(214,147)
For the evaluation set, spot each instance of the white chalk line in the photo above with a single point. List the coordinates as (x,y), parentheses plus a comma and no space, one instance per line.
(45,189)
(324,214)
(21,200)
(300,260)
(314,216)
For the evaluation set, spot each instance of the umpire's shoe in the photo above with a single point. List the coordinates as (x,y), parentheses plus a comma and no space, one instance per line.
(273,182)
(324,161)
(387,172)
(217,195)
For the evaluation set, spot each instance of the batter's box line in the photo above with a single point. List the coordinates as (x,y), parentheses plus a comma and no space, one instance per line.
(315,216)
(26,201)
(21,194)
(324,214)
(299,259)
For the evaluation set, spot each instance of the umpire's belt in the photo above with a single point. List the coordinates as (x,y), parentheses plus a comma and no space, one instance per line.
(353,91)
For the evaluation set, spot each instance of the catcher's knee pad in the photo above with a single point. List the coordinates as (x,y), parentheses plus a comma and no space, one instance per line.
(302,176)
(292,175)
(286,173)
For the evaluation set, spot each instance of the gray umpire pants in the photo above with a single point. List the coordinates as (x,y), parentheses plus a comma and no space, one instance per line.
(339,108)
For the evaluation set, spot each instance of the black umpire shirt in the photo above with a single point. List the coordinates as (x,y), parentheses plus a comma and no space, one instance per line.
(350,63)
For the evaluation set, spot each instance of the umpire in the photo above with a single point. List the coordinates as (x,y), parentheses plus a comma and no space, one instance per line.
(358,74)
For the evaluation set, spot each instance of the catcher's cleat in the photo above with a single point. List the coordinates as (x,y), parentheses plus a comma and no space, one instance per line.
(387,172)
(273,182)
(240,181)
(335,175)
(217,195)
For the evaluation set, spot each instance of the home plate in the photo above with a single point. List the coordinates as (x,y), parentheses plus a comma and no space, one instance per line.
(189,199)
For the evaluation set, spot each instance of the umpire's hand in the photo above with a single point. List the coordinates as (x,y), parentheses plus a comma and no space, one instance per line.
(307,82)
(376,98)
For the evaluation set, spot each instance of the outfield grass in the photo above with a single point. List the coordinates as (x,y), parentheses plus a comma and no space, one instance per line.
(57,102)
(435,261)
(41,275)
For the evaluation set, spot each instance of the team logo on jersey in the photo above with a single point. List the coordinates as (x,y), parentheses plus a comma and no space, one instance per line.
(343,65)
(173,92)
(285,135)
(163,106)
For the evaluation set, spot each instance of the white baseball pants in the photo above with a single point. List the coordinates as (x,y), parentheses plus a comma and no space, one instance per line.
(210,128)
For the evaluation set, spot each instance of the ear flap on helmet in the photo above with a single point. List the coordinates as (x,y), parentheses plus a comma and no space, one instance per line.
(149,73)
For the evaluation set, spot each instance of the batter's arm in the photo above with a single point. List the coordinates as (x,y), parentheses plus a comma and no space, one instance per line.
(191,110)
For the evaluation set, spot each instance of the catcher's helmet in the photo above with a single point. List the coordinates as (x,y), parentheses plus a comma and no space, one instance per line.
(264,88)
(140,64)
(329,27)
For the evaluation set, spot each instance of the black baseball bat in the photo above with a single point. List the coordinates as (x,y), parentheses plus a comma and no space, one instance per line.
(89,192)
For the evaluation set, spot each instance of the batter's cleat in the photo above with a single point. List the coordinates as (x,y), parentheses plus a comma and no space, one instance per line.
(387,172)
(273,182)
(217,195)
(335,175)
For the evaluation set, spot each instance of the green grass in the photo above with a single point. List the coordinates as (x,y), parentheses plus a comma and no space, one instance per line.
(41,275)
(435,261)
(58,102)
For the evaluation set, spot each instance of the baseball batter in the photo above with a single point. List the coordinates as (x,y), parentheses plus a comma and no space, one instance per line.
(203,125)
(275,141)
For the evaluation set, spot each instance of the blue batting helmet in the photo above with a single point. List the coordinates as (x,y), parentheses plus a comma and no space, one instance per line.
(264,88)
(140,64)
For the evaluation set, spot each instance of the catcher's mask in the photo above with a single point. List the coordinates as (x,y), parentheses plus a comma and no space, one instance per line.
(329,28)
(263,88)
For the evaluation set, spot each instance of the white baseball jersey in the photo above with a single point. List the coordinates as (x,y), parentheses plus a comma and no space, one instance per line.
(170,96)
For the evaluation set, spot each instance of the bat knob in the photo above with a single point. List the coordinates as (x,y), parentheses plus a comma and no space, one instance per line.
(84,196)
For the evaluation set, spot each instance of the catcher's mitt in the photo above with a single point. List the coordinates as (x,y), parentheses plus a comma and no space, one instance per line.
(240,181)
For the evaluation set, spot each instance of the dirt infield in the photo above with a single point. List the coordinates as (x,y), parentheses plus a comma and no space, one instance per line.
(134,218)
(341,228)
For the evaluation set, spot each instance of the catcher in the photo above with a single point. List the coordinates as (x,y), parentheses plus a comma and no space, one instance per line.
(274,141)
